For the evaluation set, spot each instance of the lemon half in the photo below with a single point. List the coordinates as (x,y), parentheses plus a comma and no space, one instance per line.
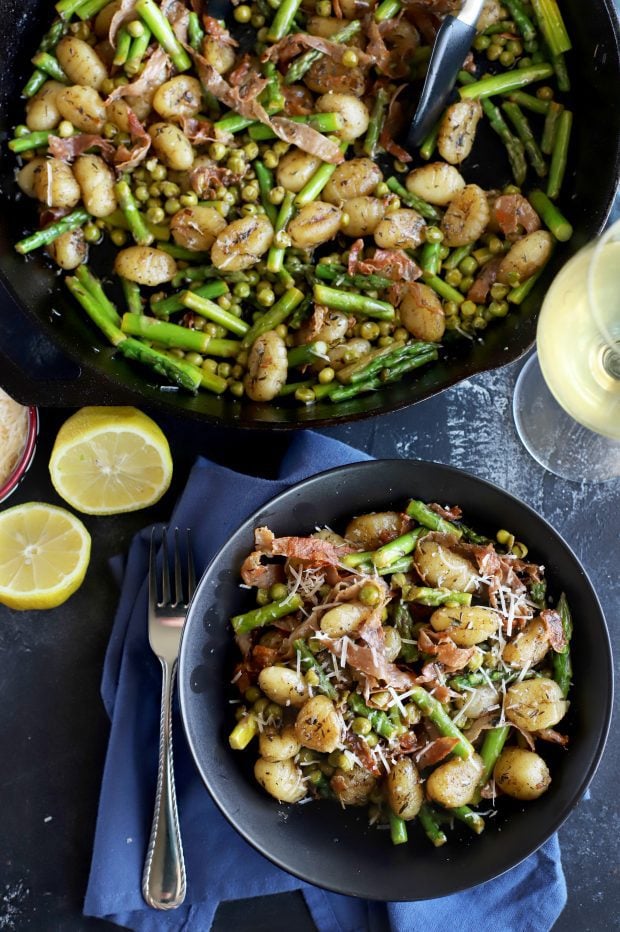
(44,554)
(107,461)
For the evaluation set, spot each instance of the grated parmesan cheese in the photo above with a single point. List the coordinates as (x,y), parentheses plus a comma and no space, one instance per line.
(13,434)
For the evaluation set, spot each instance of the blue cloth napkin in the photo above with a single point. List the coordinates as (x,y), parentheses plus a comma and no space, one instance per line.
(530,897)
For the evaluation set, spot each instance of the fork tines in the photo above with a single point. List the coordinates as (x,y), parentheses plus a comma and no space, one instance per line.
(182,594)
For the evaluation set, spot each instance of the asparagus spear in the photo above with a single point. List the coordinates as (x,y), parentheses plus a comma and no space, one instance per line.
(388,9)
(333,272)
(430,143)
(551,127)
(561,73)
(166,306)
(525,134)
(137,51)
(443,289)
(562,665)
(429,822)
(506,82)
(275,256)
(520,293)
(375,125)
(131,292)
(89,9)
(412,200)
(315,185)
(152,16)
(177,371)
(494,741)
(123,44)
(307,353)
(551,216)
(95,311)
(457,255)
(395,549)
(195,32)
(403,565)
(523,22)
(398,829)
(323,122)
(31,140)
(243,732)
(48,43)
(212,311)
(430,519)
(472,819)
(169,335)
(430,258)
(92,284)
(265,184)
(304,62)
(538,593)
(49,64)
(353,303)
(559,155)
(139,230)
(309,662)
(404,625)
(378,719)
(434,710)
(381,370)
(283,20)
(265,614)
(275,316)
(529,102)
(76,218)
(435,597)
(552,25)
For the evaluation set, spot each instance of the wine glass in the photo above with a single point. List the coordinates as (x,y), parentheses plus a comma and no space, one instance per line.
(567,397)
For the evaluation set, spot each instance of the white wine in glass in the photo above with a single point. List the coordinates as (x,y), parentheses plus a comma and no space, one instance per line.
(567,401)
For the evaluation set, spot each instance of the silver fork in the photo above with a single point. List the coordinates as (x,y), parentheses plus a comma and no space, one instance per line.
(163,880)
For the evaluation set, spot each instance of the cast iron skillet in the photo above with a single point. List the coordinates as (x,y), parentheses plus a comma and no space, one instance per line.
(588,194)
(320,842)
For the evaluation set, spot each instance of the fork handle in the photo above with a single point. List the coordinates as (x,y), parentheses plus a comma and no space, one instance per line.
(163,881)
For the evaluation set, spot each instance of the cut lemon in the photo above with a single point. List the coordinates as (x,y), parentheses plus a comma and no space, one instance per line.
(110,460)
(44,554)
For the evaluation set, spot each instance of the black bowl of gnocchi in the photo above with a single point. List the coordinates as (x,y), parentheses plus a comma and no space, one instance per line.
(396,680)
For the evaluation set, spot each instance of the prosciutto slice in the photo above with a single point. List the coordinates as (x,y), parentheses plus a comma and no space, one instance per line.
(69,149)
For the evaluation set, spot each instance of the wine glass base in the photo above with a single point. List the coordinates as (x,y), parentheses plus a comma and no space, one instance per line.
(554,439)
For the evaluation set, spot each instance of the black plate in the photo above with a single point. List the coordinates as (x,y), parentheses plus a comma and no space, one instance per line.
(320,842)
(587,197)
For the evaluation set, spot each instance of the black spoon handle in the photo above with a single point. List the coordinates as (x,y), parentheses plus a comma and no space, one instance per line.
(452,44)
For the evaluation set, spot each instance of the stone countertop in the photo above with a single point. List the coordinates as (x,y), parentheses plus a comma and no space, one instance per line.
(54,729)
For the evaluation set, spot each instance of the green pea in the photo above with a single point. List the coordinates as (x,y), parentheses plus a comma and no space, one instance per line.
(241,290)
(466,283)
(453,277)
(507,59)
(278,592)
(468,265)
(372,740)
(223,369)
(481,43)
(237,389)
(118,237)
(369,594)
(262,596)
(194,358)
(468,309)
(305,396)
(361,726)
(433,235)
(252,693)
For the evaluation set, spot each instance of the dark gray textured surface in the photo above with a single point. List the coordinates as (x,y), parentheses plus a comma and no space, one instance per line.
(53,728)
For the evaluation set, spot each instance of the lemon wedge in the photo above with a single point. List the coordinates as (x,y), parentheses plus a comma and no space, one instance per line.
(107,461)
(44,554)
